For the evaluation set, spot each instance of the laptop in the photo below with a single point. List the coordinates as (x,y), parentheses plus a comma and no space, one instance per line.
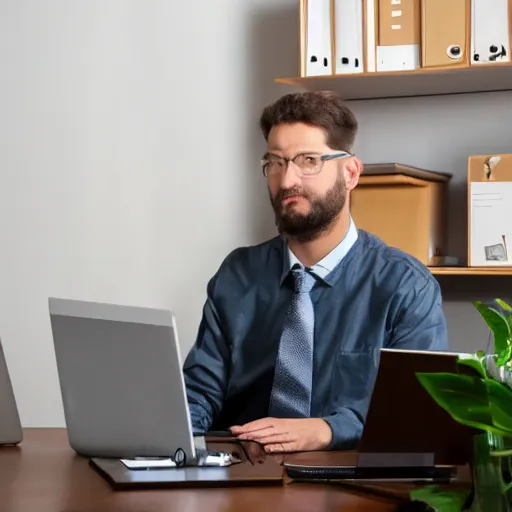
(122,387)
(406,435)
(11,432)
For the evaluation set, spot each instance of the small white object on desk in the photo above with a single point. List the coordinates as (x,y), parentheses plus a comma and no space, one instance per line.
(148,463)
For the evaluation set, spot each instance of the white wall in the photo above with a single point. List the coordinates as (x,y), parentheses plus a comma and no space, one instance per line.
(129,164)
(129,159)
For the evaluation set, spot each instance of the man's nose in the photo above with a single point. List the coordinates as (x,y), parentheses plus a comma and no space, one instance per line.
(289,177)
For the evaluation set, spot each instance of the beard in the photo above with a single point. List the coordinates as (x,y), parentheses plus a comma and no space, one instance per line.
(306,227)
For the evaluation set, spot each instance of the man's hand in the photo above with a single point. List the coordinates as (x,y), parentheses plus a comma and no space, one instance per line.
(287,435)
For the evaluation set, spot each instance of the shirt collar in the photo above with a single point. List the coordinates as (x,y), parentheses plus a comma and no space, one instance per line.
(327,264)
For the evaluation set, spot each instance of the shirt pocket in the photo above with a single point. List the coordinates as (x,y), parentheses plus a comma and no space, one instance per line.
(353,376)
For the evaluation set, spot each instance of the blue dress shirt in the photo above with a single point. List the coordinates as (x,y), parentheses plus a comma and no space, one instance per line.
(370,296)
(331,260)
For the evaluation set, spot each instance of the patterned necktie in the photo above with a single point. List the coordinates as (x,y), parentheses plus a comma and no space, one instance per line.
(291,391)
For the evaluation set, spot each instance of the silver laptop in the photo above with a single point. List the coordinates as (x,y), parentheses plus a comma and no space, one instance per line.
(121,381)
(11,432)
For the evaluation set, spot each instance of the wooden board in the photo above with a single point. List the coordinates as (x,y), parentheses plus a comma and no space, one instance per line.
(420,82)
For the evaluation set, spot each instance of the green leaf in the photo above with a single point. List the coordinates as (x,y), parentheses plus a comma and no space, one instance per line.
(465,398)
(442,500)
(474,361)
(505,356)
(504,305)
(498,324)
(500,399)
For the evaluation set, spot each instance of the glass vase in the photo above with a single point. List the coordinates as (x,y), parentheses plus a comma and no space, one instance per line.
(492,474)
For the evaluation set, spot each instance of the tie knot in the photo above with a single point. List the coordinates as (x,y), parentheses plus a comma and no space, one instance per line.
(303,280)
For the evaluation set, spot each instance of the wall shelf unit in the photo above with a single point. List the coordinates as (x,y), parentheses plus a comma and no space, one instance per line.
(463,79)
(471,271)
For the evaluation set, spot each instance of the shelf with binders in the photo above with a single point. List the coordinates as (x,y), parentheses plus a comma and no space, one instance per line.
(433,81)
(376,49)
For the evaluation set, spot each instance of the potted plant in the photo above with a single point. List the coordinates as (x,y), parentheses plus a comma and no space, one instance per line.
(481,399)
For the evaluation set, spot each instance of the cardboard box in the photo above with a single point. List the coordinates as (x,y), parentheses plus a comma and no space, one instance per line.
(490,210)
(405,207)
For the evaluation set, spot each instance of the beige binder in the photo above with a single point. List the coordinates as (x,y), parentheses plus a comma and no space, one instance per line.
(445,27)
(399,38)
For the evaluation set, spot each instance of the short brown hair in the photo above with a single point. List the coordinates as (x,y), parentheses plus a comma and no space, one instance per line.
(324,109)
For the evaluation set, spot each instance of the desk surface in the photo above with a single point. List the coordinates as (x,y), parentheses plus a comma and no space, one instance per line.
(43,474)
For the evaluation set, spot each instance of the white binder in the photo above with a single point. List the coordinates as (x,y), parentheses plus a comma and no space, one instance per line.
(398,58)
(319,38)
(348,36)
(490,37)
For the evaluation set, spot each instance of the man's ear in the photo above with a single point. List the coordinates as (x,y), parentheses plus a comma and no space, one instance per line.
(351,171)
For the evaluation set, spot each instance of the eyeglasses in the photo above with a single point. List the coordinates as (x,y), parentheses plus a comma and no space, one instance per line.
(308,164)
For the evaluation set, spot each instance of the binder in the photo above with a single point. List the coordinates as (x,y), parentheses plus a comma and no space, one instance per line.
(445,32)
(491,24)
(399,40)
(370,34)
(348,36)
(319,37)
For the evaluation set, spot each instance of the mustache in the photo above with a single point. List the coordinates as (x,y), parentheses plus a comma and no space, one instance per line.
(289,192)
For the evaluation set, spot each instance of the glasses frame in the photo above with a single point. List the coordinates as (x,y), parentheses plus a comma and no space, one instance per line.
(323,158)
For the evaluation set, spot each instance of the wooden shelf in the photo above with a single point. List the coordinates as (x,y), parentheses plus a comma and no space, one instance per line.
(421,82)
(471,271)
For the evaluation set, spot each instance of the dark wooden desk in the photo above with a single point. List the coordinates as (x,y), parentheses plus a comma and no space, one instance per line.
(43,474)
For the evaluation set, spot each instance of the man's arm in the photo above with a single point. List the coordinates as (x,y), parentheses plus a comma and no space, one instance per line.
(419,324)
(347,426)
(205,368)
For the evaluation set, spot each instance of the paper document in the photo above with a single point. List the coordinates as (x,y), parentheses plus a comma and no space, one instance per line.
(491,226)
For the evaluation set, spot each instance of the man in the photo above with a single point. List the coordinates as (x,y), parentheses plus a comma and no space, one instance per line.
(288,345)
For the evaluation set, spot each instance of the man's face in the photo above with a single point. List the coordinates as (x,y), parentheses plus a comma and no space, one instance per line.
(304,206)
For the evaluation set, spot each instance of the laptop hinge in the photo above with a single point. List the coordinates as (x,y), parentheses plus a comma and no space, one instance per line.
(391,460)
